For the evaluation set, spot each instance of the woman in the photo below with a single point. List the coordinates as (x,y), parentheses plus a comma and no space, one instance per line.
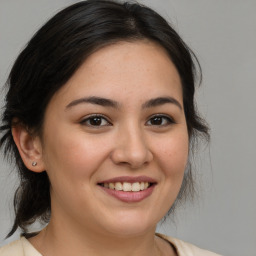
(100,119)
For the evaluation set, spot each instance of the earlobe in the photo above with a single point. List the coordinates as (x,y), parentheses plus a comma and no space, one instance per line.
(29,147)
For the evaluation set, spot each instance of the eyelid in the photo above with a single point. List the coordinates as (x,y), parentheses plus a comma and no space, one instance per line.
(168,117)
(88,117)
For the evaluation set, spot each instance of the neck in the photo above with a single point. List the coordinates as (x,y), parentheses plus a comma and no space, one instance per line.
(63,240)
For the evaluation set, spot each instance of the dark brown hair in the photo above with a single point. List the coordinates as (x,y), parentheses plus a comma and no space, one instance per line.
(52,56)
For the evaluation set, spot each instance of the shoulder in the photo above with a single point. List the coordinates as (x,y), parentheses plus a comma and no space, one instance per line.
(14,248)
(20,247)
(184,248)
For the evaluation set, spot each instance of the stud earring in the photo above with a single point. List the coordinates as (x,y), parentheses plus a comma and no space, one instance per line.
(34,163)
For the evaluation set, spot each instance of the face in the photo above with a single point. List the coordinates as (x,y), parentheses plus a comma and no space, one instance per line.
(115,141)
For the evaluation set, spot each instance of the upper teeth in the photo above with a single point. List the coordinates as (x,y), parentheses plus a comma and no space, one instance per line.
(126,186)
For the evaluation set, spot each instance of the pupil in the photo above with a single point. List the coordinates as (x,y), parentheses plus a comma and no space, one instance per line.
(96,121)
(157,120)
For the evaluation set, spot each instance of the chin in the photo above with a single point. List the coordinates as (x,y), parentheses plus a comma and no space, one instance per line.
(128,225)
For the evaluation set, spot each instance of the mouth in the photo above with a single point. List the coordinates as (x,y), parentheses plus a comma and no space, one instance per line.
(127,186)
(129,189)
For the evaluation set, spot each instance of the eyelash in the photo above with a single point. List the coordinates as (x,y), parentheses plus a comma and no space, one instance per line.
(162,117)
(94,116)
(100,118)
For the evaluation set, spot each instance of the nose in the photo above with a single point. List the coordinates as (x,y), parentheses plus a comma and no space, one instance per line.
(131,149)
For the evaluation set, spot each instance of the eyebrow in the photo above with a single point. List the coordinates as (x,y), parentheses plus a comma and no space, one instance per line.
(94,100)
(161,101)
(114,104)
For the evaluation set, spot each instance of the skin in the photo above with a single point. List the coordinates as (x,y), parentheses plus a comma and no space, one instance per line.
(128,141)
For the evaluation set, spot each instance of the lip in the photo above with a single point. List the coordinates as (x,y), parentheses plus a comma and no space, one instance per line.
(130,179)
(129,196)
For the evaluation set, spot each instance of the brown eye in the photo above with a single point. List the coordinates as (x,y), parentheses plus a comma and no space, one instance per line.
(96,121)
(160,120)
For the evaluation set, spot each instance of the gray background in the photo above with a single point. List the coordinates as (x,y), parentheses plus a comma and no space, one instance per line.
(223,35)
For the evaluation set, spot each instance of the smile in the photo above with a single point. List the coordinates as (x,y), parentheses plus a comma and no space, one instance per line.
(127,186)
(129,189)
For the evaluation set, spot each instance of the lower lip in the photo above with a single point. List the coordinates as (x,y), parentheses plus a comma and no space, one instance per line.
(130,197)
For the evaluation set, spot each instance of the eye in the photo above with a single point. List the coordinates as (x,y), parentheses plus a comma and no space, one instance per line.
(95,121)
(160,120)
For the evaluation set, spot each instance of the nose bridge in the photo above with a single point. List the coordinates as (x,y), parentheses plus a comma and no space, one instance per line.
(135,141)
(132,147)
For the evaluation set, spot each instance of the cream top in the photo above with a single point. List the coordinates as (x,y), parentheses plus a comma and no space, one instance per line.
(23,247)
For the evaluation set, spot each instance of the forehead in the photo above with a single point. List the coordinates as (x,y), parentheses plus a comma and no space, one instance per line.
(124,57)
(123,69)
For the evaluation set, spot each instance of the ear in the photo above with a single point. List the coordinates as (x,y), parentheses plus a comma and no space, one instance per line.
(30,148)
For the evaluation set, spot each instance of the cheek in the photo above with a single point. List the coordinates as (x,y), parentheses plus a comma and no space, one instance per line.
(73,154)
(174,156)
(71,161)
(172,160)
